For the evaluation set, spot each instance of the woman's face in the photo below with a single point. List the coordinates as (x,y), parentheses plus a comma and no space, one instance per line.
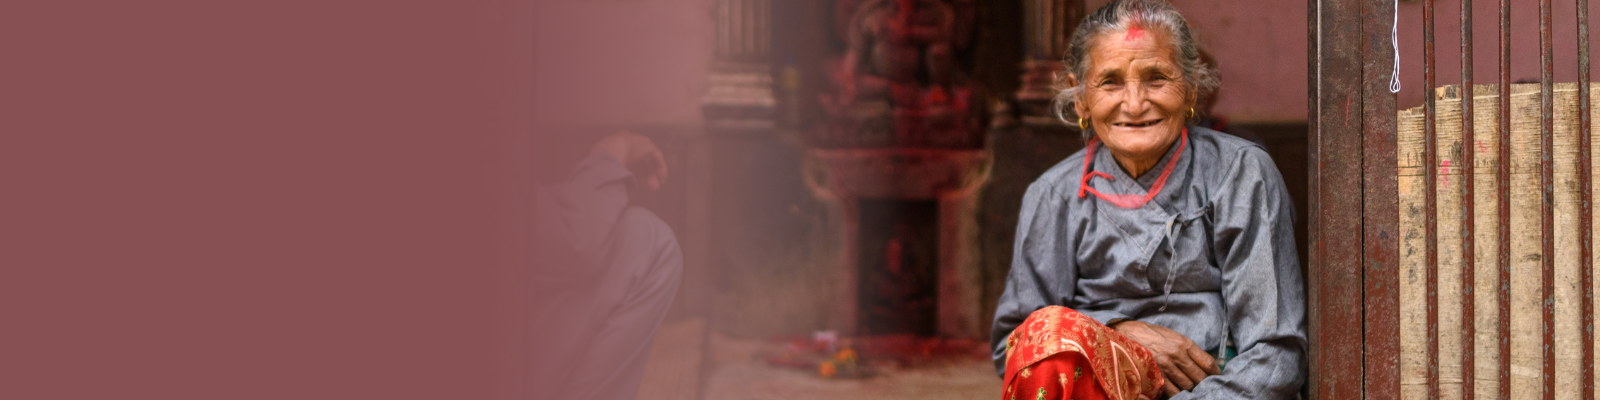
(1135,95)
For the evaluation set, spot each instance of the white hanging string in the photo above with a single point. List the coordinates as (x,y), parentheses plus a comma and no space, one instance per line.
(1394,40)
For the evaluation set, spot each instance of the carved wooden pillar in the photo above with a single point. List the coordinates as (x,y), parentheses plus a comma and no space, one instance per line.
(739,97)
(1048,26)
(1026,138)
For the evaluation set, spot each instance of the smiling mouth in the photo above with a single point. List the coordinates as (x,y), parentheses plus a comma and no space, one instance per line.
(1136,124)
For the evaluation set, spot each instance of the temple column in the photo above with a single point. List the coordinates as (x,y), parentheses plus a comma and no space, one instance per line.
(739,97)
(1047,26)
(1026,138)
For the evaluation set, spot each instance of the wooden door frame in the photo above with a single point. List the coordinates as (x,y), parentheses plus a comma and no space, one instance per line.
(1354,296)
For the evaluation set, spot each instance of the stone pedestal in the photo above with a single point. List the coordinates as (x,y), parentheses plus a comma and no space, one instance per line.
(739,98)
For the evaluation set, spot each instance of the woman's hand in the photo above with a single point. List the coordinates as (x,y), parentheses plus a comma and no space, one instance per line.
(1181,361)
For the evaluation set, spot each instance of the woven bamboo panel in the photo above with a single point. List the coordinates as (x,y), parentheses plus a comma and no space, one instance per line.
(1527,297)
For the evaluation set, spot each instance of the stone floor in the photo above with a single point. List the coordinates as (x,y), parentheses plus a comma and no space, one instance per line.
(687,363)
(676,361)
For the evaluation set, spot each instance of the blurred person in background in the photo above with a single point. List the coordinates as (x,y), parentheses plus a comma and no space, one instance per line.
(604,276)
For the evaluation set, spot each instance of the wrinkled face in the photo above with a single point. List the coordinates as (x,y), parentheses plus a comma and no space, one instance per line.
(1134,93)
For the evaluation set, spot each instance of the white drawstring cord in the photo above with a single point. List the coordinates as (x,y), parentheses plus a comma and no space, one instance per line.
(1394,40)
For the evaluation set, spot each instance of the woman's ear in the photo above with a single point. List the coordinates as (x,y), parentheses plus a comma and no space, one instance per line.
(1068,80)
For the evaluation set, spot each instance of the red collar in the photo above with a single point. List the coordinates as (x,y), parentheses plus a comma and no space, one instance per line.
(1128,200)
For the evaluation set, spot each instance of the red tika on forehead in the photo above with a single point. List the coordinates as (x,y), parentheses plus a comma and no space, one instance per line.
(1134,33)
(1134,30)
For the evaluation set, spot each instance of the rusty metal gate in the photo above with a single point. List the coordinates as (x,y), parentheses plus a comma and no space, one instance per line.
(1353,145)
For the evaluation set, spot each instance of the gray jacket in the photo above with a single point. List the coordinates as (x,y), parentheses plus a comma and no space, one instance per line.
(1212,257)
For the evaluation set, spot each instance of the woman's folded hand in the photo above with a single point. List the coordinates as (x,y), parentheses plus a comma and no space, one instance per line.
(1181,361)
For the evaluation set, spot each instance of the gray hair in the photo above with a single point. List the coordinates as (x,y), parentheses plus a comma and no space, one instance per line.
(1119,15)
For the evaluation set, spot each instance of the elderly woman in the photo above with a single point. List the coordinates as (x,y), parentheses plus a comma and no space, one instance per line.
(1160,249)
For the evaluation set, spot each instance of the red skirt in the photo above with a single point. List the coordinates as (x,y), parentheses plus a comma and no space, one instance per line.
(1058,353)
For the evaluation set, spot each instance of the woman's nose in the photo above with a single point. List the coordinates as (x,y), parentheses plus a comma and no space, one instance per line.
(1136,99)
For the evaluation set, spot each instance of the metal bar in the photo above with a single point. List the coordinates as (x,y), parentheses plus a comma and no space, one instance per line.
(1380,209)
(1314,315)
(1547,186)
(1585,210)
(1468,221)
(1503,195)
(1430,156)
(1337,304)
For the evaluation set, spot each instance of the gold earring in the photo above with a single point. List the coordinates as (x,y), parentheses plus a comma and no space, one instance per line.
(1191,112)
(1082,125)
